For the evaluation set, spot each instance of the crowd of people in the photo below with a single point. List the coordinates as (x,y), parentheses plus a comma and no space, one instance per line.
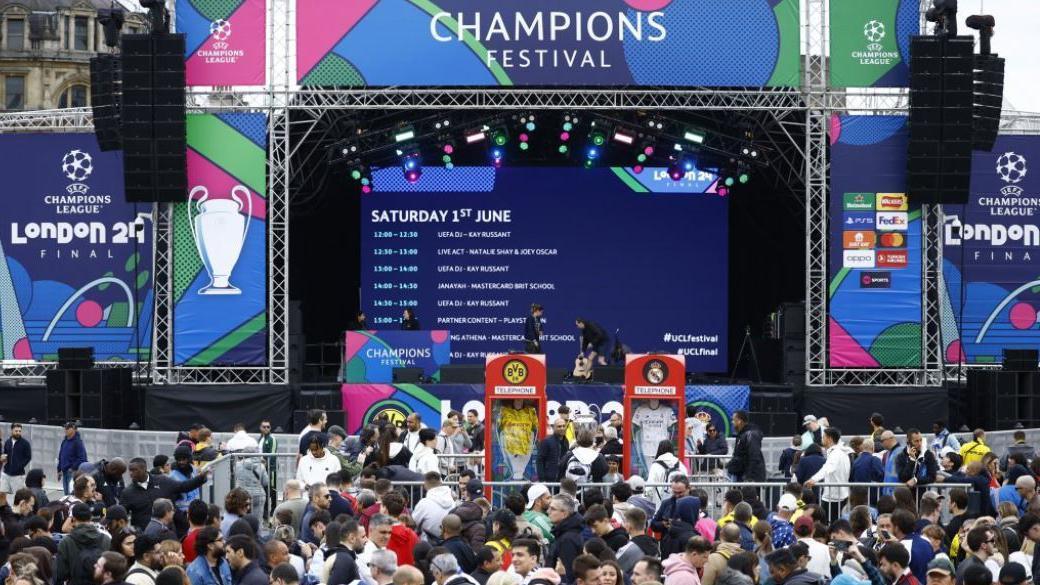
(347,517)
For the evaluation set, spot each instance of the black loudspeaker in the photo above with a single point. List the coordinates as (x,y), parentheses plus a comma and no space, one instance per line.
(153,117)
(941,119)
(98,398)
(105,93)
(462,374)
(75,358)
(988,100)
(999,400)
(1021,360)
(792,321)
(609,374)
(321,399)
(408,375)
(336,417)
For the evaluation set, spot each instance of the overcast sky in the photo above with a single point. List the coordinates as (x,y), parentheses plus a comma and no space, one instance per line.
(1016,38)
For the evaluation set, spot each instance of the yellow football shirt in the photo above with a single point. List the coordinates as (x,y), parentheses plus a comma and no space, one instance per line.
(518,428)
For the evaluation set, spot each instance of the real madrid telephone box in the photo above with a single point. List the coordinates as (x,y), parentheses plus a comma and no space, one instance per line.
(655,394)
(515,410)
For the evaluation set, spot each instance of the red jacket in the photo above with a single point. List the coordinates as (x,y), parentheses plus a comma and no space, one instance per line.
(402,542)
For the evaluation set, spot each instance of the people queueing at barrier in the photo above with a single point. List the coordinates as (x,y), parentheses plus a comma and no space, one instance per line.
(383,508)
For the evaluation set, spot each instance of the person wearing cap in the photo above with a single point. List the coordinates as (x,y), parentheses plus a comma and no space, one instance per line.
(83,537)
(183,470)
(434,506)
(1013,574)
(70,455)
(638,498)
(813,431)
(116,519)
(783,530)
(819,554)
(318,463)
(941,571)
(471,514)
(538,499)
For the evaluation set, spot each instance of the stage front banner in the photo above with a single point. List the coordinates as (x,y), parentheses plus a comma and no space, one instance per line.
(225,41)
(719,43)
(371,356)
(75,257)
(870,42)
(364,403)
(220,244)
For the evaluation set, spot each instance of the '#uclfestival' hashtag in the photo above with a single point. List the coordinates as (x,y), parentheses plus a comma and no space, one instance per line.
(667,336)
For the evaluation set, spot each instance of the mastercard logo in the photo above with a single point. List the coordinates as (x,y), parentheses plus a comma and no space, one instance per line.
(892,240)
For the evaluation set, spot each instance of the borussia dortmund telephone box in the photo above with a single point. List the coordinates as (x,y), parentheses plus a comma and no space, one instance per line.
(515,407)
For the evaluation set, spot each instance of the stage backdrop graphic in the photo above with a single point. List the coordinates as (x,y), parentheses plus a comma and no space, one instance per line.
(220,310)
(75,257)
(545,42)
(870,42)
(371,356)
(225,41)
(363,403)
(471,248)
(992,245)
(875,247)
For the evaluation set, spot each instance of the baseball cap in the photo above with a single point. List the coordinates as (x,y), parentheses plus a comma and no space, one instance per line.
(808,419)
(932,495)
(802,524)
(81,512)
(534,492)
(637,484)
(788,502)
(942,564)
(475,487)
(1012,574)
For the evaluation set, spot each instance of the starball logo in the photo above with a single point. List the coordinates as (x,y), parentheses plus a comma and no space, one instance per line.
(874,31)
(220,50)
(1012,168)
(77,166)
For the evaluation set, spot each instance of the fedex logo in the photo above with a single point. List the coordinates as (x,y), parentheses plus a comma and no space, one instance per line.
(892,221)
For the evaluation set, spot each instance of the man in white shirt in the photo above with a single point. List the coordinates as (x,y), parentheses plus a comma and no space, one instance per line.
(413,424)
(819,554)
(836,469)
(318,463)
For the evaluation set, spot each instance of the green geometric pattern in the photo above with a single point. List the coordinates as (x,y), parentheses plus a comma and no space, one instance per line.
(334,70)
(899,346)
(214,9)
(186,261)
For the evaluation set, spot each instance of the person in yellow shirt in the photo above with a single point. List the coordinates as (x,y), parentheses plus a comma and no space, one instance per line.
(975,450)
(517,430)
(729,506)
(565,413)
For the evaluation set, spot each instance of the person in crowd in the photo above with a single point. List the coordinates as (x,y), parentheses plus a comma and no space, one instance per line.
(616,537)
(892,450)
(237,504)
(402,538)
(285,574)
(146,561)
(836,470)
(551,452)
(451,530)
(160,526)
(809,463)
(84,539)
(538,500)
(916,466)
(567,535)
(294,503)
(780,522)
(784,569)
(1019,447)
(198,514)
(583,463)
(975,449)
(727,546)
(183,470)
(412,424)
(161,465)
(409,322)
(894,563)
(340,502)
(71,454)
(139,496)
(318,463)
(205,451)
(648,570)
(680,486)
(108,479)
(34,479)
(392,450)
(471,514)
(489,561)
(981,544)
(636,525)
(664,467)
(747,462)
(475,429)
(110,567)
(787,457)
(714,443)
(424,458)
(818,553)
(905,530)
(813,430)
(943,440)
(242,557)
(17,453)
(867,468)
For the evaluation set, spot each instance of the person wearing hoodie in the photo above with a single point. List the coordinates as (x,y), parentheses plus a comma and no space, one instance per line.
(251,475)
(567,535)
(424,458)
(684,568)
(71,454)
(726,548)
(318,463)
(84,537)
(809,463)
(341,561)
(584,464)
(620,492)
(183,470)
(665,466)
(747,462)
(680,485)
(430,510)
(471,514)
(741,569)
(599,521)
(836,469)
(681,525)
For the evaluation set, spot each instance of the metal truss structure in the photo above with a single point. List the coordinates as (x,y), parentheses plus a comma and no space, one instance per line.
(794,121)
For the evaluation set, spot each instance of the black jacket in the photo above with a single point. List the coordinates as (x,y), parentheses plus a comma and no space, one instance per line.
(923,468)
(344,567)
(616,538)
(532,329)
(674,541)
(252,574)
(716,446)
(549,461)
(19,453)
(648,545)
(592,336)
(463,553)
(567,545)
(786,461)
(612,447)
(110,488)
(747,463)
(480,576)
(473,530)
(340,505)
(138,501)
(410,325)
(665,511)
(476,436)
(68,566)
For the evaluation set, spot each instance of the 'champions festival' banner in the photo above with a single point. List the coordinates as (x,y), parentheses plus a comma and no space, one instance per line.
(870,42)
(364,403)
(220,244)
(719,43)
(371,356)
(225,41)
(75,257)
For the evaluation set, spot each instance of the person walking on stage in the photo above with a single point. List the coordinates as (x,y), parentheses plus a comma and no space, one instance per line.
(409,322)
(533,330)
(593,340)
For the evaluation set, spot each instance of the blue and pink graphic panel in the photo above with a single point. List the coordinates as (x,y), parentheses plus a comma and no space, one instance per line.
(545,42)
(225,41)
(371,356)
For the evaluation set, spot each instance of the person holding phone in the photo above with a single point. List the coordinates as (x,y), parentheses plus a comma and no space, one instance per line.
(916,466)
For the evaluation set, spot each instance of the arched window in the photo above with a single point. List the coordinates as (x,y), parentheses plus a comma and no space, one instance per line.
(74,96)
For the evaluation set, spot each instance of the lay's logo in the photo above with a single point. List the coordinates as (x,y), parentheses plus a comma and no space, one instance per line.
(891,202)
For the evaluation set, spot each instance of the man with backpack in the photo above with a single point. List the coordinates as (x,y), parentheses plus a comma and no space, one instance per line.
(79,551)
(584,464)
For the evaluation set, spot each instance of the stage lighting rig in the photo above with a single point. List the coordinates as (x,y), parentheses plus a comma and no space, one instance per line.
(411,164)
(694,136)
(944,14)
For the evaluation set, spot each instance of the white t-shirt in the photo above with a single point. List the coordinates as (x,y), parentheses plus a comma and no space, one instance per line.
(654,425)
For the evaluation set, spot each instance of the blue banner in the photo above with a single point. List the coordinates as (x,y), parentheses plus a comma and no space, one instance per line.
(75,257)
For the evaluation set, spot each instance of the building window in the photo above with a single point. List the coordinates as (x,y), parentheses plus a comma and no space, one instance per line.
(14,92)
(73,97)
(68,32)
(15,34)
(82,28)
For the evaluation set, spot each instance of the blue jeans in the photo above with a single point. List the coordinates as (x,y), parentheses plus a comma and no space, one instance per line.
(66,481)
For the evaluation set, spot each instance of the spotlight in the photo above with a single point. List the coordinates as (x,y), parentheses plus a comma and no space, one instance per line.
(694,137)
(637,169)
(597,137)
(497,154)
(565,136)
(729,181)
(404,134)
(592,153)
(744,178)
(623,138)
(723,191)
(475,136)
(412,166)
(499,137)
(563,149)
(688,165)
(675,171)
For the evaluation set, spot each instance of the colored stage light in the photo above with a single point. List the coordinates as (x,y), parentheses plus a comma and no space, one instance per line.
(641,158)
(475,136)
(412,176)
(524,146)
(597,138)
(637,169)
(355,174)
(567,126)
(499,137)
(648,150)
(404,134)
(588,163)
(497,153)
(565,136)
(694,136)
(688,165)
(744,178)
(446,159)
(592,153)
(412,165)
(366,189)
(563,149)
(675,172)
(523,138)
(449,149)
(530,126)
(723,191)
(729,181)
(449,166)
(623,138)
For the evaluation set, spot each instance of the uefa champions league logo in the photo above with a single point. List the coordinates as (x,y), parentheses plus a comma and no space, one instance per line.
(77,166)
(1011,168)
(874,31)
(220,30)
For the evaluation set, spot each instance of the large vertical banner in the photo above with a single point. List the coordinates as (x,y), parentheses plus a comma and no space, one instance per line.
(75,257)
(721,43)
(875,247)
(226,41)
(220,244)
(991,256)
(870,42)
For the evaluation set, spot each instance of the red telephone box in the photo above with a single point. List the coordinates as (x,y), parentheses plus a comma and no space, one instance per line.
(655,397)
(515,409)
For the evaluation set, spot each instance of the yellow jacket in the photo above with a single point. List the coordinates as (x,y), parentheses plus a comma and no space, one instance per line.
(974,451)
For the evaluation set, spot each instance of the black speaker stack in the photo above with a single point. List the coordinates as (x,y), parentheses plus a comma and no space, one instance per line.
(792,336)
(1000,399)
(988,79)
(97,397)
(153,117)
(105,91)
(941,118)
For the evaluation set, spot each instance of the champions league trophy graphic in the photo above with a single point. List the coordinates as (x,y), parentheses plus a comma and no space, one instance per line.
(220,232)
